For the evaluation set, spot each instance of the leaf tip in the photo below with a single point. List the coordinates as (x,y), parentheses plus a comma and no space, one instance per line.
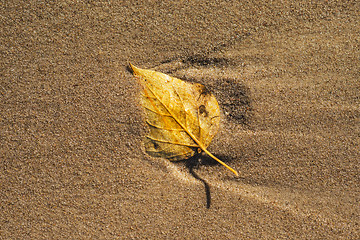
(134,69)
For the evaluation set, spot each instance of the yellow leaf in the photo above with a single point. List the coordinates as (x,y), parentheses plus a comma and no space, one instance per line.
(182,117)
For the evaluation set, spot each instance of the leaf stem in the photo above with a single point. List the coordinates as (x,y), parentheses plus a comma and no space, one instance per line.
(221,162)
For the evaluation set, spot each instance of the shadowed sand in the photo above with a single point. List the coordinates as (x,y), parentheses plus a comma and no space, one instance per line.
(286,76)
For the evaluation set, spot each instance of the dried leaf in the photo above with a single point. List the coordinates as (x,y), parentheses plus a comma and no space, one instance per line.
(182,117)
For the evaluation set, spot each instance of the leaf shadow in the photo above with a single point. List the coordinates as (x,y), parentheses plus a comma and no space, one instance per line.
(193,163)
(205,160)
(129,69)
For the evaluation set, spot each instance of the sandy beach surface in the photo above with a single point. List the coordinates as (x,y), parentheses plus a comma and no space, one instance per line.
(72,160)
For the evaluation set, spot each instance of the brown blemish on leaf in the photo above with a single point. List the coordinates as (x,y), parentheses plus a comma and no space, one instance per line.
(202,110)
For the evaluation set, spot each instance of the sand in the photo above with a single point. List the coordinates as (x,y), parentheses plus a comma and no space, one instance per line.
(286,75)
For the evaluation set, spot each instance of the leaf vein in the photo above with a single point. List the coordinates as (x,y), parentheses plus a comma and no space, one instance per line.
(164,128)
(170,142)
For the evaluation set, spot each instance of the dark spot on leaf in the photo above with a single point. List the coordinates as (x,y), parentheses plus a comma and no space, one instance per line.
(202,89)
(205,91)
(202,111)
(156,146)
